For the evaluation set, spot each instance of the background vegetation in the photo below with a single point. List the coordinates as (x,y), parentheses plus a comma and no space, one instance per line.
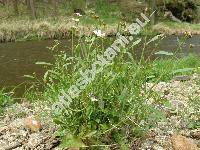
(52,19)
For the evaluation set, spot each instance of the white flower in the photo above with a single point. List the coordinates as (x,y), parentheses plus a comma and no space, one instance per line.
(76,20)
(78,14)
(148,101)
(74,27)
(99,33)
(93,99)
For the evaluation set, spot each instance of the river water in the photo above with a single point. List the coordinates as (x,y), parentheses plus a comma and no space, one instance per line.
(19,58)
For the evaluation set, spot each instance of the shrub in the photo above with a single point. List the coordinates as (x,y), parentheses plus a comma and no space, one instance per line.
(111,109)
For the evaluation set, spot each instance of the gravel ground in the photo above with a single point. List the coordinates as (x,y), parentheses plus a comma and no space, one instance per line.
(184,95)
(14,134)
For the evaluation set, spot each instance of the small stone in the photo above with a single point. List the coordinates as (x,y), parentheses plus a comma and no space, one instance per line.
(182,78)
(157,147)
(33,124)
(198,143)
(196,134)
(166,92)
(34,140)
(2,129)
(185,133)
(17,123)
(180,142)
(150,134)
(178,104)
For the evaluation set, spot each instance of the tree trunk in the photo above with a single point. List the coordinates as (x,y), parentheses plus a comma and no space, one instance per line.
(55,7)
(15,7)
(32,7)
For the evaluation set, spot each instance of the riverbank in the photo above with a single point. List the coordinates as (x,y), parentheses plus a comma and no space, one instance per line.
(174,28)
(24,30)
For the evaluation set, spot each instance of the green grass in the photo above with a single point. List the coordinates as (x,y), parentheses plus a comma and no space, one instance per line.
(5,100)
(166,69)
(108,13)
(22,27)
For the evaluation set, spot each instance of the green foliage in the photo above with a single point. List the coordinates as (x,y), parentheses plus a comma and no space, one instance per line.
(108,12)
(5,100)
(111,108)
(166,69)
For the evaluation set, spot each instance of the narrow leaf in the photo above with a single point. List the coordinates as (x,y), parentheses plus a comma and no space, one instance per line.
(43,63)
(164,53)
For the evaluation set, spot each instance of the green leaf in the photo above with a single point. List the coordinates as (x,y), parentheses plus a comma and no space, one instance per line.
(45,76)
(43,63)
(57,121)
(151,77)
(29,76)
(164,53)
(155,38)
(183,70)
(71,142)
(89,135)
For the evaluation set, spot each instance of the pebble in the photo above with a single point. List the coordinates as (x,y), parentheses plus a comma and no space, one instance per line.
(34,140)
(196,134)
(182,78)
(33,124)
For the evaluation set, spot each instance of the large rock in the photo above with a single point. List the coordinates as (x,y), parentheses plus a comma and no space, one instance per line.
(180,142)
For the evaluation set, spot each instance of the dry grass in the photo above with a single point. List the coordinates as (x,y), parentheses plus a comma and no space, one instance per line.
(15,30)
(170,28)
